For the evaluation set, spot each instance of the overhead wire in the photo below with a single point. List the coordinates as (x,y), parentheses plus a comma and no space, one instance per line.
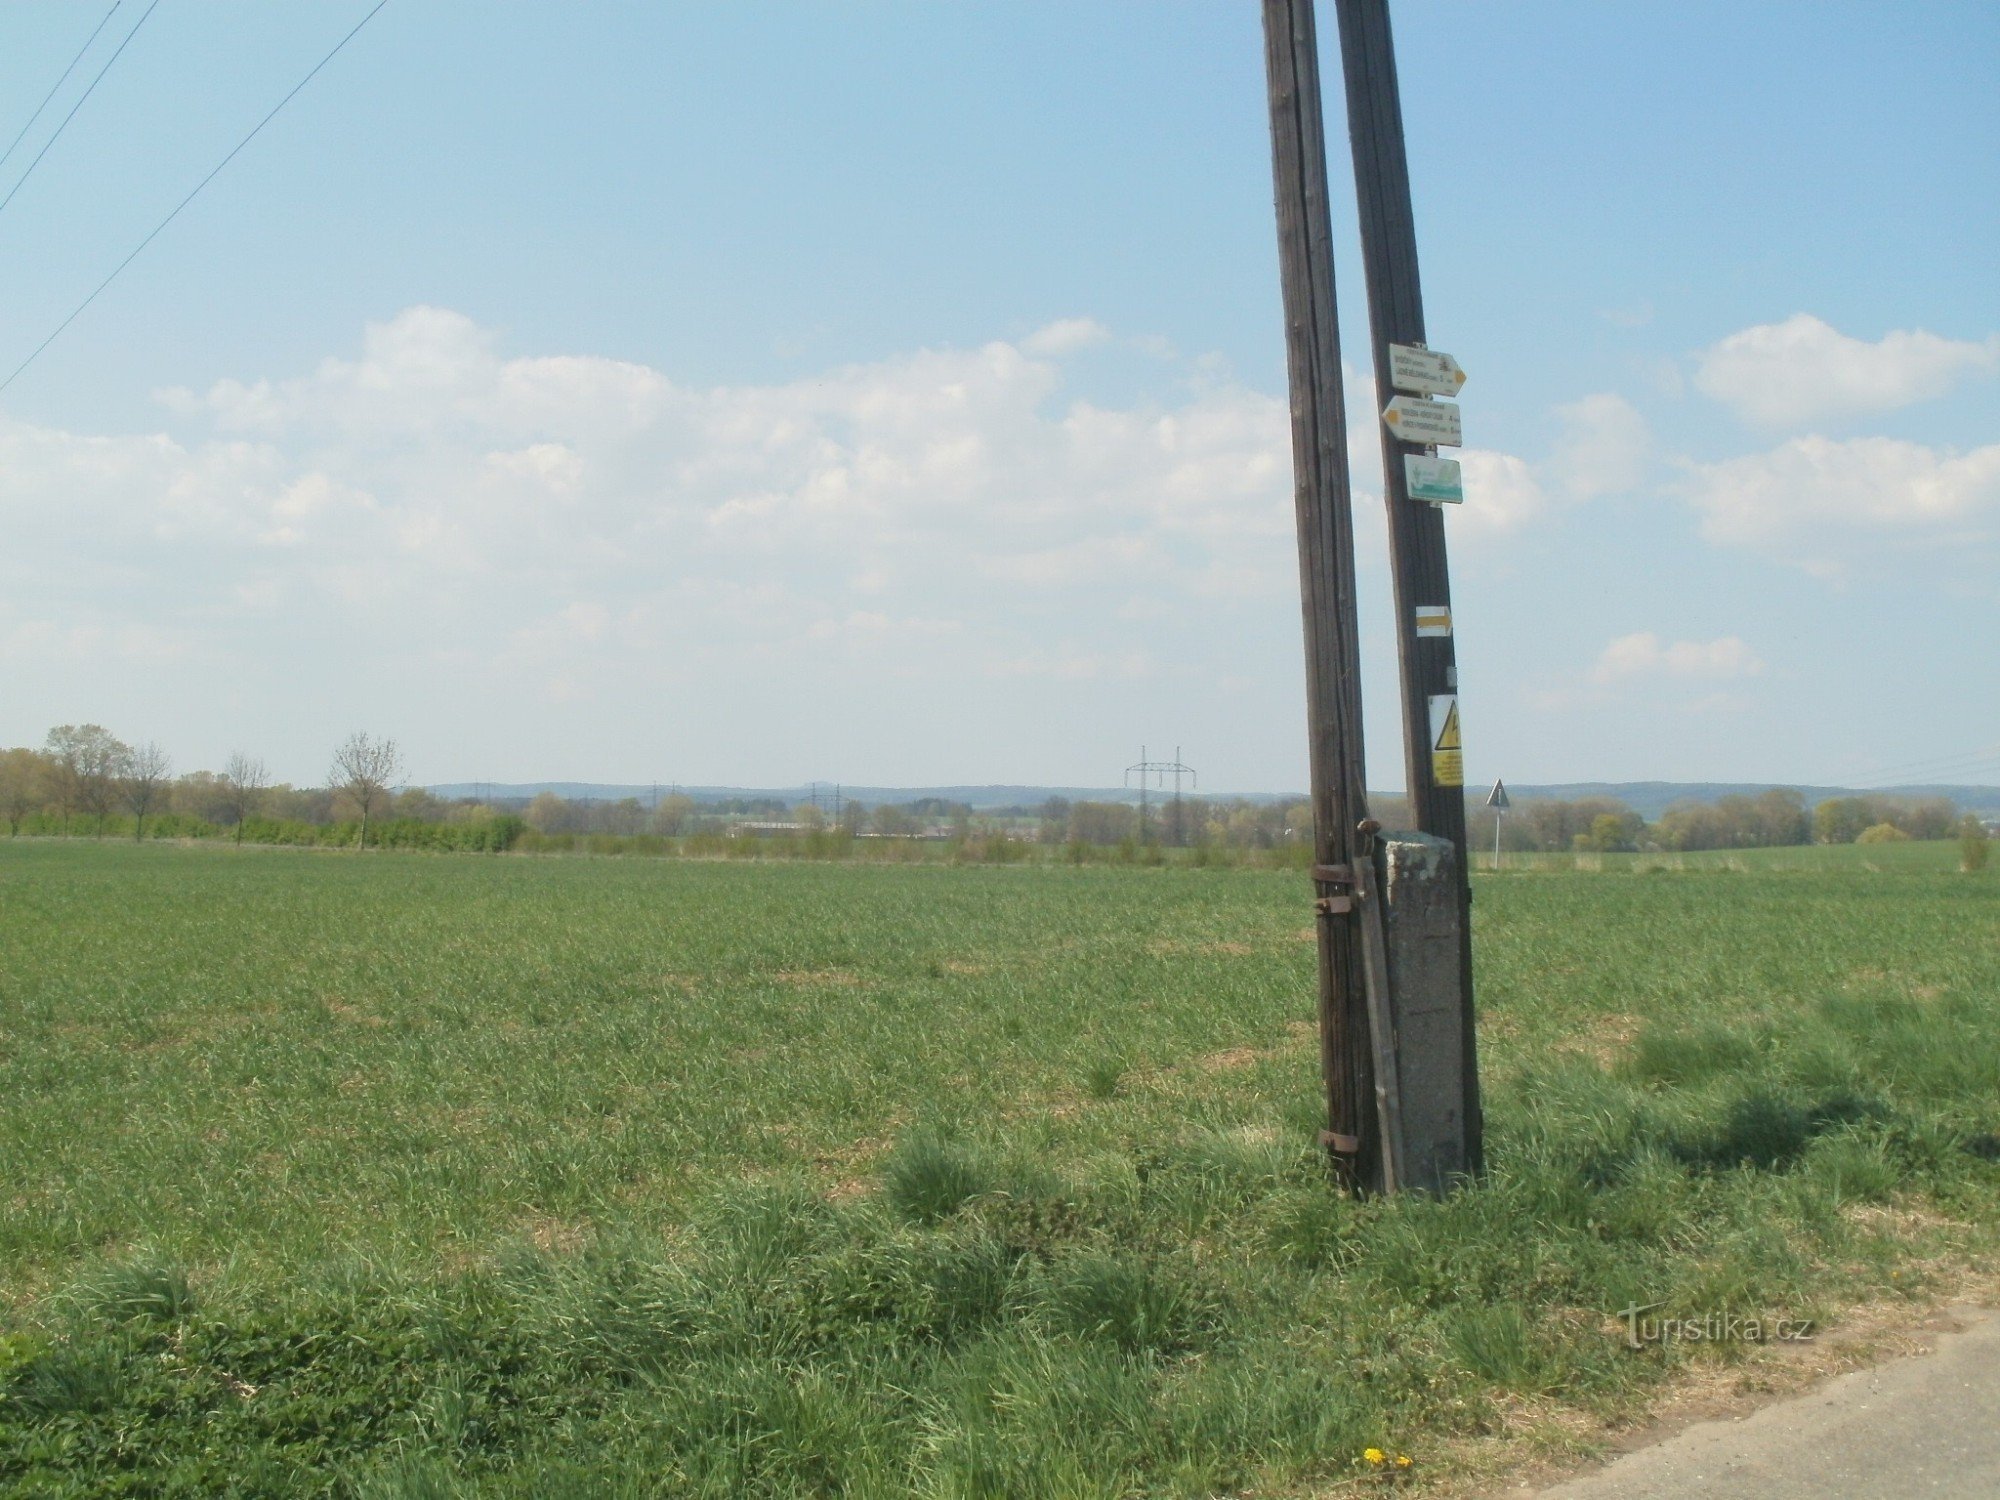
(1932,769)
(1967,753)
(175,213)
(23,134)
(1965,774)
(77,106)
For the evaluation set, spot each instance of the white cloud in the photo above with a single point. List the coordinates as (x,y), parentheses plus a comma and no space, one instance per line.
(94,643)
(1646,655)
(1813,495)
(1632,315)
(1502,495)
(1605,448)
(432,521)
(1089,560)
(1071,663)
(552,468)
(1803,371)
(874,629)
(567,518)
(1066,336)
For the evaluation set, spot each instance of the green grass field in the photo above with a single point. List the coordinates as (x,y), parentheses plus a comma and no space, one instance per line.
(437,1175)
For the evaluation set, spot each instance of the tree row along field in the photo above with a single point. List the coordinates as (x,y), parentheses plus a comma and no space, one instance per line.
(457,1175)
(86,781)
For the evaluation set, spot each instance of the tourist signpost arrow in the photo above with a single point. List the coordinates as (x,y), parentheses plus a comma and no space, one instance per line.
(1415,420)
(1424,372)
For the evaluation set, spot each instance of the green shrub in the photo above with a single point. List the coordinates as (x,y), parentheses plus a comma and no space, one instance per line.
(1973,844)
(1881,833)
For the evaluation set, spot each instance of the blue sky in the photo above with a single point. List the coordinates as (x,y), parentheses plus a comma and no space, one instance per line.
(895,393)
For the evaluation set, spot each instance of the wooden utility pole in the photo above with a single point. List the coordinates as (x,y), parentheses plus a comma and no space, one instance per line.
(1428,662)
(1326,580)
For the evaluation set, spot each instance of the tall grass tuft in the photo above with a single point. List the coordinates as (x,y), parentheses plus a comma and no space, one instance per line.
(135,1292)
(1501,1345)
(1141,1305)
(1102,1077)
(928,1177)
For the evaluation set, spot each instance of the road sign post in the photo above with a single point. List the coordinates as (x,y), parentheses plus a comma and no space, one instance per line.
(1412,422)
(1498,800)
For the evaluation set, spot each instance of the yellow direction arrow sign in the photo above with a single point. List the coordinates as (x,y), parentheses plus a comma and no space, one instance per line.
(1424,372)
(1415,420)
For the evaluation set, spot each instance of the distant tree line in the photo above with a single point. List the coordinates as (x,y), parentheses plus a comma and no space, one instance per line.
(1772,819)
(1189,822)
(86,780)
(1234,824)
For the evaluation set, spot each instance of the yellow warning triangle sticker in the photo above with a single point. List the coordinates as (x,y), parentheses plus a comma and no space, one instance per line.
(1448,736)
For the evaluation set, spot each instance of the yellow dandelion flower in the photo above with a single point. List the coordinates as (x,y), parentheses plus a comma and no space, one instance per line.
(1403,1460)
(1374,1455)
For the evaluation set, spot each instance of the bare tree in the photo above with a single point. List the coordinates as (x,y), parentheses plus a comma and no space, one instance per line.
(146,771)
(243,782)
(365,769)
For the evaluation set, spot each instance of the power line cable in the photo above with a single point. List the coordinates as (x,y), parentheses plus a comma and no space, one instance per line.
(77,106)
(1957,775)
(1943,769)
(216,170)
(1927,763)
(1938,766)
(11,145)
(1970,753)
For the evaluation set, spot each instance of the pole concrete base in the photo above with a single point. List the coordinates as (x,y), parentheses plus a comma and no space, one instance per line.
(1418,878)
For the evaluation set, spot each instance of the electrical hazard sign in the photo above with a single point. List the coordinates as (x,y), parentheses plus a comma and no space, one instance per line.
(1447,750)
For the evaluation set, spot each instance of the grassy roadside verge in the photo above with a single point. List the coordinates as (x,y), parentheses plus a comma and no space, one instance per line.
(1013,1200)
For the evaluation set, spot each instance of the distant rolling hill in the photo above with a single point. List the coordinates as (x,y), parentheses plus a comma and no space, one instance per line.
(973,796)
(1648,798)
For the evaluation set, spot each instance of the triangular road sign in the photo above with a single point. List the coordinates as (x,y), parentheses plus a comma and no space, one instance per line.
(1497,798)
